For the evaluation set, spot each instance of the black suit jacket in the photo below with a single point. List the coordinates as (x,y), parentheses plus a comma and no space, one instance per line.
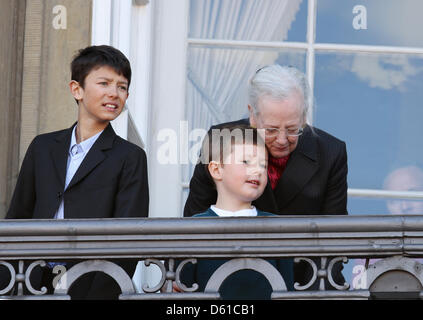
(313,183)
(111,182)
(114,170)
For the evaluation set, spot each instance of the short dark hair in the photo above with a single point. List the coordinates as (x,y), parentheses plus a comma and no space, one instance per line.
(219,143)
(94,57)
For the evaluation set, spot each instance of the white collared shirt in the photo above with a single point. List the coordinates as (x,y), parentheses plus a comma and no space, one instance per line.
(252,212)
(76,155)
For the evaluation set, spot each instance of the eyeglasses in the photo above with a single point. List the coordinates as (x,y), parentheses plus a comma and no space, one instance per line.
(274,132)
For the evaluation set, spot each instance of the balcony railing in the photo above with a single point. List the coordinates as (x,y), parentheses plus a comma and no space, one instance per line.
(396,241)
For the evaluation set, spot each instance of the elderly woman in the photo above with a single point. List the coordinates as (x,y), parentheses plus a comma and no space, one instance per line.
(307,167)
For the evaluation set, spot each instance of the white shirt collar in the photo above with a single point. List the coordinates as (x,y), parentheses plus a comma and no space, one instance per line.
(84,146)
(252,212)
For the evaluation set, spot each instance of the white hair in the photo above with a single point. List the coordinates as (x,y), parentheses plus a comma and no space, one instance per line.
(279,82)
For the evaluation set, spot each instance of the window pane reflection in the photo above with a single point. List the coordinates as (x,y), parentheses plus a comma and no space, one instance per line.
(373,102)
(386,22)
(363,206)
(255,20)
(218,78)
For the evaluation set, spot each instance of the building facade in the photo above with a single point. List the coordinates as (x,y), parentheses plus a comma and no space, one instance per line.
(191,60)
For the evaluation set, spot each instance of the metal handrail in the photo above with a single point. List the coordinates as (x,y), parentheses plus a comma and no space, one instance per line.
(396,239)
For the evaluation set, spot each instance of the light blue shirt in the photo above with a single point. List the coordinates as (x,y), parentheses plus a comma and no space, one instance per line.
(76,155)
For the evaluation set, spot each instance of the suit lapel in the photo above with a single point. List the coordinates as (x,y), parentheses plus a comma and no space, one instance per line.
(59,154)
(95,156)
(301,167)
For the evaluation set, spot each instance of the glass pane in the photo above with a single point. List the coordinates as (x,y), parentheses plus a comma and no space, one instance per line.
(384,206)
(373,103)
(254,20)
(362,206)
(217,83)
(370,22)
(218,78)
(298,30)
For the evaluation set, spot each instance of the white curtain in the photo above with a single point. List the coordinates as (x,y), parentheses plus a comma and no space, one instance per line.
(217,77)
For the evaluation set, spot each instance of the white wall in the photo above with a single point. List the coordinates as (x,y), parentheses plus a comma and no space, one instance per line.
(167,101)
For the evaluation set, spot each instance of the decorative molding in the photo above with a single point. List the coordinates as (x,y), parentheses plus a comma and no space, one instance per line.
(262,266)
(245,242)
(109,268)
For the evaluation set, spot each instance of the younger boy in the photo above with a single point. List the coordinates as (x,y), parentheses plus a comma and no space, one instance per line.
(235,158)
(86,171)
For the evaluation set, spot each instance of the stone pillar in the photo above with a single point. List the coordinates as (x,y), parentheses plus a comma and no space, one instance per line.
(55,30)
(12,17)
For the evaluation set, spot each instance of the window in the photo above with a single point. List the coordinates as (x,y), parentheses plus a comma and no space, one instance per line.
(364,61)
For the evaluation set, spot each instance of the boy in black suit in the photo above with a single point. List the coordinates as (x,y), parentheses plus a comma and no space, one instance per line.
(235,160)
(87,171)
